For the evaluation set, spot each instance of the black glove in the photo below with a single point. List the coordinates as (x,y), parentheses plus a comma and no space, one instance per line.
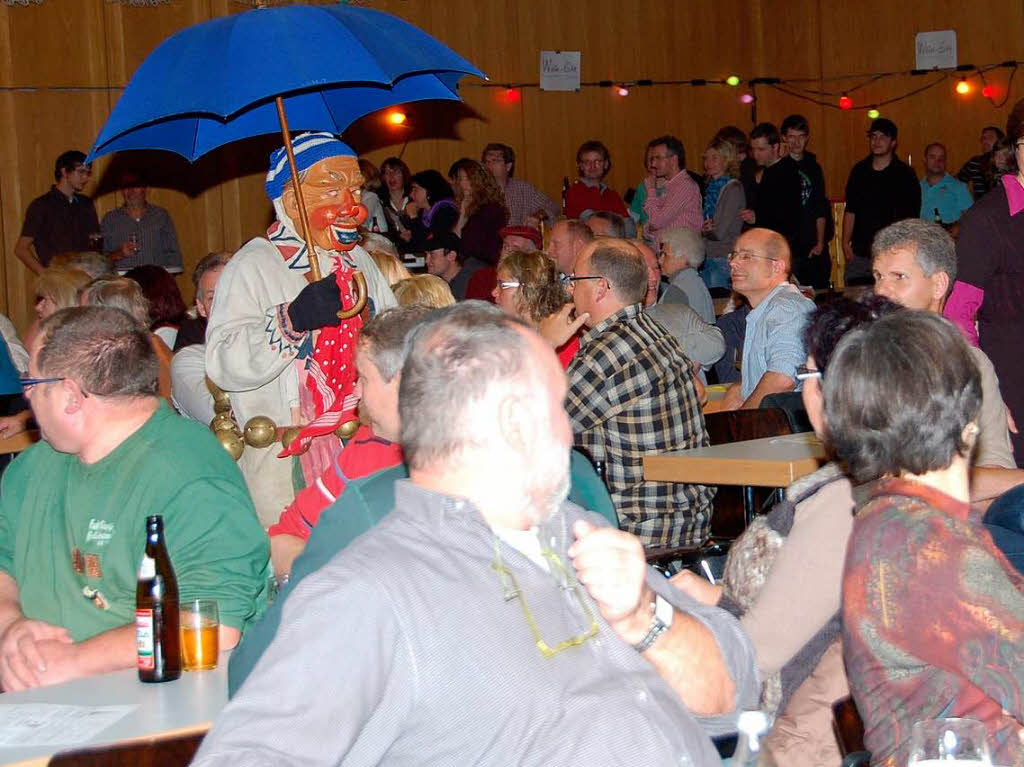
(316,306)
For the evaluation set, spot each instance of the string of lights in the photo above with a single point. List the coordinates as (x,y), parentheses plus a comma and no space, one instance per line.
(797,87)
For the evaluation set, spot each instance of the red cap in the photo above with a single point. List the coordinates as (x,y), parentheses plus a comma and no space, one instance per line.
(523,231)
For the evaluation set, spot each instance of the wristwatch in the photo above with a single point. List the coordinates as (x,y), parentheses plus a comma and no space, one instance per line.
(661,619)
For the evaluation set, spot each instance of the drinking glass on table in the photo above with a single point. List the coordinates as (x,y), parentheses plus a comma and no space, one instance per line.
(200,630)
(96,241)
(949,742)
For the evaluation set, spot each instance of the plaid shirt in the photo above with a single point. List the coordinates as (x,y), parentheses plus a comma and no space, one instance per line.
(524,200)
(632,392)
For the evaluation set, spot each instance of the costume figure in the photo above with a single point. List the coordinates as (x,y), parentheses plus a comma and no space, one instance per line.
(275,343)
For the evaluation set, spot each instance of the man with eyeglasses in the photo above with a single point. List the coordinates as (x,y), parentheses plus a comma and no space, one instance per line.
(61,220)
(672,197)
(632,391)
(881,189)
(487,620)
(73,507)
(773,344)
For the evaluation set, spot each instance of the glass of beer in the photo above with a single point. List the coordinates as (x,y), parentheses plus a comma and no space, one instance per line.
(200,627)
(949,742)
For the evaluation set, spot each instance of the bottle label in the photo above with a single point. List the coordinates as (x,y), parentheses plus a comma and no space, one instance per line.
(144,637)
(148,567)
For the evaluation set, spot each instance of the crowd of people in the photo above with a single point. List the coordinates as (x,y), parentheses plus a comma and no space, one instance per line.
(423,494)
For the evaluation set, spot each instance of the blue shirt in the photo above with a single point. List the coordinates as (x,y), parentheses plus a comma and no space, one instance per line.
(949,196)
(774,337)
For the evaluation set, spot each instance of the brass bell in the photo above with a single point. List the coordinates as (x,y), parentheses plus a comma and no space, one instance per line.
(218,394)
(289,436)
(224,422)
(260,431)
(347,429)
(231,442)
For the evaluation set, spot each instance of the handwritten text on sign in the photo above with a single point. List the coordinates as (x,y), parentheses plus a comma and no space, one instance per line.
(559,70)
(935,50)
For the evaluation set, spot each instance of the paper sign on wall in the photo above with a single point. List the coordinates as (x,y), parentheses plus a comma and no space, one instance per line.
(559,70)
(935,50)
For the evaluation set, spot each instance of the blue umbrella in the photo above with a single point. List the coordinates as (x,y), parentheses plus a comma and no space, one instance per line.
(215,82)
(332,108)
(317,67)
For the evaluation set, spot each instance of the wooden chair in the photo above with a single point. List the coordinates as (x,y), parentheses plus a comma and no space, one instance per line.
(733,507)
(171,751)
(836,246)
(849,731)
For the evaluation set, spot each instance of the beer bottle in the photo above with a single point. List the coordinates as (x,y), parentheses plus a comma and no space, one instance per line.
(565,193)
(156,610)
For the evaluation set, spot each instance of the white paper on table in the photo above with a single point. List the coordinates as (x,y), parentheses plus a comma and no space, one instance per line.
(45,724)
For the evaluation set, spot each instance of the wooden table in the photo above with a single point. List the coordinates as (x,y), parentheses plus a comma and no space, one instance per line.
(768,462)
(185,706)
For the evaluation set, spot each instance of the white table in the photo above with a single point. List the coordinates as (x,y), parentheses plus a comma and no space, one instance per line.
(184,706)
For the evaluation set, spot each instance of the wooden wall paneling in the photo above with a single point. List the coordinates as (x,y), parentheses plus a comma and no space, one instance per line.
(220,203)
(874,35)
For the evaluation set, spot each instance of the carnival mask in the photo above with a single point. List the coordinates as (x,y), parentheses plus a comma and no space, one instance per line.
(332,190)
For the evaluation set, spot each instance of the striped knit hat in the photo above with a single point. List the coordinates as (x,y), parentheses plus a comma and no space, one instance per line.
(309,148)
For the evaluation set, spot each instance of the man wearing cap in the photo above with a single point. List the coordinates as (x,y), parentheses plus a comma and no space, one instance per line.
(881,190)
(522,238)
(138,232)
(274,340)
(444,260)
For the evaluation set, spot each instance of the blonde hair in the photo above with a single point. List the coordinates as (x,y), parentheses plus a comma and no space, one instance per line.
(61,285)
(423,290)
(392,269)
(89,261)
(540,292)
(730,159)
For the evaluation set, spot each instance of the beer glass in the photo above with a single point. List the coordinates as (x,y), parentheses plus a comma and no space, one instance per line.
(949,742)
(200,627)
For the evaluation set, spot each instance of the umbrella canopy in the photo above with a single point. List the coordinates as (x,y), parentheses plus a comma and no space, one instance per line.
(214,83)
(332,109)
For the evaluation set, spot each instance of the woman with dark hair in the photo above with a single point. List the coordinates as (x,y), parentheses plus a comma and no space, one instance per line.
(166,306)
(933,612)
(394,194)
(796,551)
(371,189)
(990,257)
(431,209)
(482,211)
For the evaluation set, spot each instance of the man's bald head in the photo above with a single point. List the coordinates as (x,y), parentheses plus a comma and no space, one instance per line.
(759,263)
(771,243)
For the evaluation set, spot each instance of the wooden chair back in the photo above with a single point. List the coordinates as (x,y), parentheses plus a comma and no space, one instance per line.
(173,751)
(848,727)
(729,513)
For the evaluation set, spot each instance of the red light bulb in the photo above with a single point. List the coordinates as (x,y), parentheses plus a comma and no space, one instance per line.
(512,95)
(845,102)
(989,91)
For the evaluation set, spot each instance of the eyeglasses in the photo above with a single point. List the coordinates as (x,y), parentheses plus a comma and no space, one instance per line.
(573,278)
(803,373)
(512,591)
(508,284)
(27,382)
(744,256)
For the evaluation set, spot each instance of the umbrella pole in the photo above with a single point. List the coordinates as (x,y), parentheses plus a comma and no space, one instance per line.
(314,260)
